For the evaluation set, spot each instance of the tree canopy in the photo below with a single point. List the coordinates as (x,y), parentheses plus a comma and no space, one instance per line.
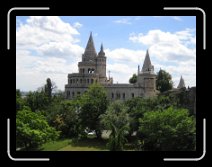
(163,81)
(133,79)
(32,129)
(93,103)
(116,119)
(168,130)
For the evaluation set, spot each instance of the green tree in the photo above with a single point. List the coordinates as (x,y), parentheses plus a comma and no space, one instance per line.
(64,117)
(19,100)
(116,119)
(163,81)
(93,103)
(49,87)
(168,130)
(136,107)
(32,129)
(37,100)
(133,79)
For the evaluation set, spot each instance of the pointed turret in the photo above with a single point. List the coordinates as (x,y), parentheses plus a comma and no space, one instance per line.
(147,66)
(101,52)
(90,51)
(181,83)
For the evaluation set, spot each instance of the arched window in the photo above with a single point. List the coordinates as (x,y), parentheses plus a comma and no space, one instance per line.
(133,95)
(80,80)
(88,81)
(112,95)
(91,80)
(72,94)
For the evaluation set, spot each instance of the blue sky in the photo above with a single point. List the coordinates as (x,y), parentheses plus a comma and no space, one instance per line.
(52,46)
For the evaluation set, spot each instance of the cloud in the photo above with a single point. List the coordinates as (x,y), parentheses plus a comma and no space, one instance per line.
(173,51)
(123,63)
(77,25)
(121,72)
(35,70)
(123,21)
(124,55)
(168,46)
(46,46)
(40,30)
(177,18)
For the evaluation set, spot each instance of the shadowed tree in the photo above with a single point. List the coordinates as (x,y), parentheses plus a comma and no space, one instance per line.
(133,79)
(163,81)
(93,103)
(116,119)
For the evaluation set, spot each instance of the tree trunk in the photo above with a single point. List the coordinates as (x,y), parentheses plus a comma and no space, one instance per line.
(98,134)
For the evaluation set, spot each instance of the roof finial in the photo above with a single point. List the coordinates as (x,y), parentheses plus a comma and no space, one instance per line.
(101,49)
(101,52)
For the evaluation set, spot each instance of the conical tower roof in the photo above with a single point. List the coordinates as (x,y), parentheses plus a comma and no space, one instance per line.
(101,53)
(181,83)
(90,51)
(147,66)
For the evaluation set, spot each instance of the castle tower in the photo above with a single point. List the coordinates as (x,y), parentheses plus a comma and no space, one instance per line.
(147,77)
(88,64)
(90,51)
(147,66)
(181,83)
(101,65)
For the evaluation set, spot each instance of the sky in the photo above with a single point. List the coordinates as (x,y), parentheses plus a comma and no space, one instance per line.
(52,46)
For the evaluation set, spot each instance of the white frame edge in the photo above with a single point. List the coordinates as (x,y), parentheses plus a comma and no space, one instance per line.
(8,19)
(19,159)
(204,19)
(204,148)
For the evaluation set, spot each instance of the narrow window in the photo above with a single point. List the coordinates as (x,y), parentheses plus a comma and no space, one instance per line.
(68,94)
(123,95)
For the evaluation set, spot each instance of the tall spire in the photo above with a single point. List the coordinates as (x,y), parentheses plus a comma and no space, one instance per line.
(147,66)
(181,83)
(101,53)
(138,69)
(90,51)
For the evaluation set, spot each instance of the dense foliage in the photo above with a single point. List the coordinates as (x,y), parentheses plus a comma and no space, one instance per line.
(163,81)
(133,79)
(116,119)
(93,103)
(32,129)
(157,123)
(168,130)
